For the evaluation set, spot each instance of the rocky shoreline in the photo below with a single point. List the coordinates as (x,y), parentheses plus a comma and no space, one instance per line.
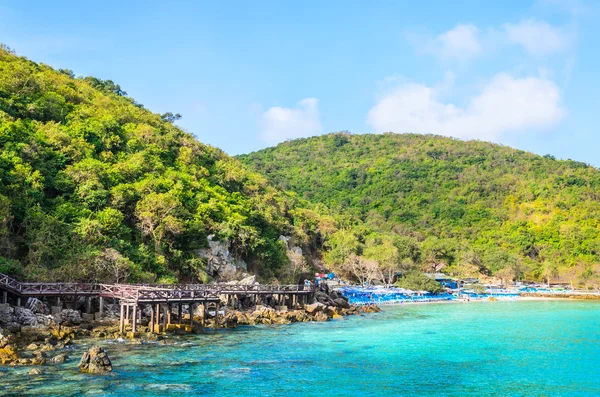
(31,336)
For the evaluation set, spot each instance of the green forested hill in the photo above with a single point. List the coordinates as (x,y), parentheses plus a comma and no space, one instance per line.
(458,204)
(95,187)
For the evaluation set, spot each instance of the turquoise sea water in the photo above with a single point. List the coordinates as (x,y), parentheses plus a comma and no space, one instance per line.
(525,348)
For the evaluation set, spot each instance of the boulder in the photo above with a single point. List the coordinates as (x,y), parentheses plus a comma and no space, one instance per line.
(332,311)
(63,334)
(8,351)
(370,309)
(38,359)
(6,313)
(342,302)
(44,319)
(24,316)
(68,317)
(314,308)
(35,371)
(95,361)
(32,346)
(320,316)
(230,320)
(59,358)
(324,298)
(37,306)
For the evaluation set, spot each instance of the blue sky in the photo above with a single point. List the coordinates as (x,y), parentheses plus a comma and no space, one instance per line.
(246,75)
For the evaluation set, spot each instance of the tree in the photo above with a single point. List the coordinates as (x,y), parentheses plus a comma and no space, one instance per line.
(417,281)
(549,270)
(341,245)
(363,270)
(170,117)
(386,254)
(506,275)
(157,213)
(437,253)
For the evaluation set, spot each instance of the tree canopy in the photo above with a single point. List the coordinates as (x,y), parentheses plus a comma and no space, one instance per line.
(93,186)
(506,211)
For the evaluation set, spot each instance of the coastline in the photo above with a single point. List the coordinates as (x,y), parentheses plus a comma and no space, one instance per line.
(515,299)
(49,342)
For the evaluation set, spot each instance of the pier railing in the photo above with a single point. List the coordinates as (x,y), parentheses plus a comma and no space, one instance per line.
(146,292)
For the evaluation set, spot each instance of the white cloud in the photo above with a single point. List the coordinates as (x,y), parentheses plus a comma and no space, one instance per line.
(538,37)
(459,43)
(505,104)
(279,124)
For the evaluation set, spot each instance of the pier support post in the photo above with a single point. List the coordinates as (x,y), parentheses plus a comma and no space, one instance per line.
(88,306)
(169,312)
(165,317)
(204,313)
(152,319)
(127,314)
(101,311)
(4,297)
(19,301)
(135,317)
(179,312)
(122,319)
(157,313)
(58,303)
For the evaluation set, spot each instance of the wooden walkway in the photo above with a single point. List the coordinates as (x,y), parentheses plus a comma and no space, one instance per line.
(158,296)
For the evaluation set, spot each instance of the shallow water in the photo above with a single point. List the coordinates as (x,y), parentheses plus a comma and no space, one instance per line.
(527,348)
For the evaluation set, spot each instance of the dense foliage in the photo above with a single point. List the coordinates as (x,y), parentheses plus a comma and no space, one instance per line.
(468,207)
(417,281)
(95,187)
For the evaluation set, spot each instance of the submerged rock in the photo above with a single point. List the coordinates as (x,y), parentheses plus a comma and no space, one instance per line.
(60,358)
(370,309)
(95,361)
(35,371)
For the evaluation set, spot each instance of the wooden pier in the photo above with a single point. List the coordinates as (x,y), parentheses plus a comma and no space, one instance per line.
(161,298)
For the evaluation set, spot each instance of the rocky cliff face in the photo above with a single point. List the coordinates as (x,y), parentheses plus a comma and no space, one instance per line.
(219,260)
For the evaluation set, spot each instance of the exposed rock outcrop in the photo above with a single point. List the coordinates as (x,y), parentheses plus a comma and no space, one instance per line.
(37,306)
(68,317)
(8,350)
(95,361)
(219,260)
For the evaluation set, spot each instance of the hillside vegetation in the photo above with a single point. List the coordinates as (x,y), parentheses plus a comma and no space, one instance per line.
(95,187)
(435,202)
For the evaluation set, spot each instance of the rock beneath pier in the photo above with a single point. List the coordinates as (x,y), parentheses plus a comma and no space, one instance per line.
(24,316)
(95,361)
(37,306)
(68,317)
